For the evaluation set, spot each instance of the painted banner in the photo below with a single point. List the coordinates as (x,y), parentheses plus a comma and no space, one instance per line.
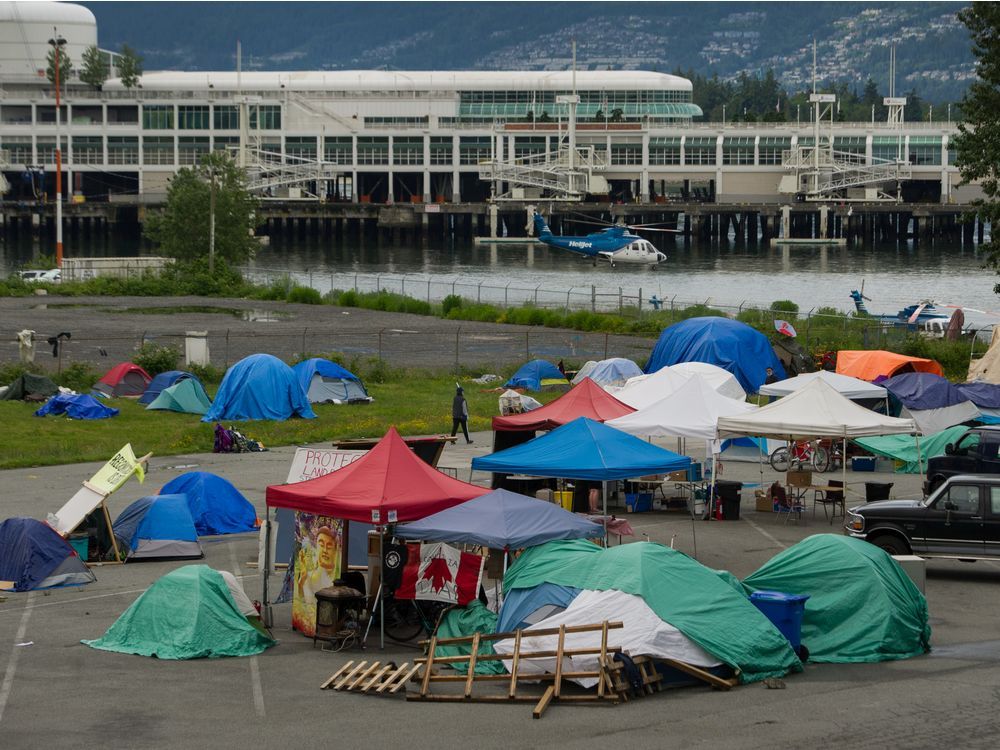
(309,463)
(116,472)
(440,573)
(320,543)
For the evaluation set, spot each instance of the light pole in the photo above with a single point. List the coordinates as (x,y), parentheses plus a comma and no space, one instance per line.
(58,43)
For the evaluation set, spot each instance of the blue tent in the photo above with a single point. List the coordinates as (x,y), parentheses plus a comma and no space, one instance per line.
(501,520)
(923,390)
(729,344)
(164,380)
(259,387)
(524,607)
(583,449)
(82,406)
(983,395)
(326,381)
(216,506)
(157,526)
(614,371)
(34,556)
(533,373)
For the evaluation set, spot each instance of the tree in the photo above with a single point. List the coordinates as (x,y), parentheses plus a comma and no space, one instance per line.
(129,67)
(978,141)
(182,228)
(95,68)
(65,66)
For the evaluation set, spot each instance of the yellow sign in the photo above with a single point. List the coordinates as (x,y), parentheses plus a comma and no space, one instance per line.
(117,471)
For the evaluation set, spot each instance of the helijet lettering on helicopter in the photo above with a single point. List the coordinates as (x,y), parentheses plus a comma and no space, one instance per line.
(616,244)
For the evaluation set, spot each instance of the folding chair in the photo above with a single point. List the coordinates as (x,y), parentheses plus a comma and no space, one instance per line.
(832,498)
(788,506)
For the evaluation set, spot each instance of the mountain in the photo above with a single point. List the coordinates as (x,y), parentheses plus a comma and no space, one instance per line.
(724,38)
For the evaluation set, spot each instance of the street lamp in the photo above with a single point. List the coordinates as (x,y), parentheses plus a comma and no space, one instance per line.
(57,43)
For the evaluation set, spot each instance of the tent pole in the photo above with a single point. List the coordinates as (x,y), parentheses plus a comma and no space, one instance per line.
(378,600)
(381,589)
(604,516)
(843,474)
(920,462)
(265,574)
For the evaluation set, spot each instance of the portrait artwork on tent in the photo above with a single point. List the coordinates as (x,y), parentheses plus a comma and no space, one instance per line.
(438,572)
(320,543)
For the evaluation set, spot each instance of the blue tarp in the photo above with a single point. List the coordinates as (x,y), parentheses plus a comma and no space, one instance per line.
(923,390)
(31,552)
(80,406)
(216,506)
(519,604)
(305,370)
(164,380)
(501,520)
(532,373)
(156,517)
(259,387)
(983,395)
(729,344)
(614,371)
(583,449)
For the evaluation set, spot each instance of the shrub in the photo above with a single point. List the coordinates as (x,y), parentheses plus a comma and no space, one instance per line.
(78,376)
(449,303)
(207,373)
(10,373)
(785,306)
(154,358)
(305,295)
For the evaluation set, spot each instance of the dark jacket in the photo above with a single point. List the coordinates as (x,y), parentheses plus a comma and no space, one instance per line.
(459,407)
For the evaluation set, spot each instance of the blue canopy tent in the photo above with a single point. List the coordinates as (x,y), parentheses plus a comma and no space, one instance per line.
(156,527)
(216,506)
(162,381)
(259,387)
(82,406)
(535,374)
(34,556)
(327,382)
(729,344)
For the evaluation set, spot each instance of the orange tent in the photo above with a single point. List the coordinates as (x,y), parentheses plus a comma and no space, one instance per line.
(870,365)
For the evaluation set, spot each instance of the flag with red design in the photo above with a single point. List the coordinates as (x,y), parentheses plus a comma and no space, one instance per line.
(785,328)
(441,573)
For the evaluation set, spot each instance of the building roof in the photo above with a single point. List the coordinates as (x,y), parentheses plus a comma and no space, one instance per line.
(42,12)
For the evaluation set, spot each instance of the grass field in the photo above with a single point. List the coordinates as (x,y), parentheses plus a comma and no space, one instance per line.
(419,406)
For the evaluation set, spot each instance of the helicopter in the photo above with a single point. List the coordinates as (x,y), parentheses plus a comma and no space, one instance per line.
(616,244)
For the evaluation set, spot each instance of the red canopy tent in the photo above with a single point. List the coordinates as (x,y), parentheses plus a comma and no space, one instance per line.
(389,478)
(587,399)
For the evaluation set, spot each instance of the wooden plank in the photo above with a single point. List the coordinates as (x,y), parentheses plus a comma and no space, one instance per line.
(374,666)
(390,678)
(336,674)
(515,662)
(343,680)
(544,631)
(471,675)
(701,674)
(531,655)
(409,676)
(602,660)
(543,702)
(559,660)
(377,677)
(428,666)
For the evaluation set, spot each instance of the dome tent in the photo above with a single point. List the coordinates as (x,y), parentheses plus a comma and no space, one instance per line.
(156,527)
(614,372)
(186,396)
(126,379)
(327,382)
(216,506)
(162,381)
(535,375)
(34,556)
(259,387)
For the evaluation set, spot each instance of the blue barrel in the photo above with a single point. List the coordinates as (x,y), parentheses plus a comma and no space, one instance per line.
(785,611)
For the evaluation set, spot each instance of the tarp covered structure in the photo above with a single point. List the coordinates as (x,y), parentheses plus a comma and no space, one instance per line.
(501,520)
(930,400)
(987,367)
(614,371)
(162,381)
(535,375)
(584,400)
(729,344)
(327,382)
(259,387)
(877,363)
(986,396)
(645,390)
(125,379)
(187,614)
(849,387)
(216,506)
(157,526)
(388,479)
(583,449)
(904,447)
(862,606)
(34,556)
(29,387)
(720,379)
(186,396)
(682,592)
(76,406)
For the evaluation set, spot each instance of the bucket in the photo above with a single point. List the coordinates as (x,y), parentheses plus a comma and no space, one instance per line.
(785,611)
(80,543)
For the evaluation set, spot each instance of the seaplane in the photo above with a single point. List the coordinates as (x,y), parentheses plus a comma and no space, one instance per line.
(615,244)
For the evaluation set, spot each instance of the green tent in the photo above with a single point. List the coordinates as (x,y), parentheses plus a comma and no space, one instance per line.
(681,591)
(30,387)
(187,614)
(460,622)
(862,606)
(186,396)
(904,447)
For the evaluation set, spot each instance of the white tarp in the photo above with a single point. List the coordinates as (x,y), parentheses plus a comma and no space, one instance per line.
(243,603)
(646,390)
(720,379)
(845,385)
(814,411)
(643,634)
(934,420)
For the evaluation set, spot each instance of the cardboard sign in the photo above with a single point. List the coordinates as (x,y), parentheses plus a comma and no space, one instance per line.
(116,472)
(309,463)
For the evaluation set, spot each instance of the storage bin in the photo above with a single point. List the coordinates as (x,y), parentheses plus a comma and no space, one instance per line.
(565,499)
(863,463)
(638,502)
(80,544)
(785,611)
(694,473)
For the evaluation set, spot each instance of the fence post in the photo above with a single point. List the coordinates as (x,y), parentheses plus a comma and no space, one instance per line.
(142,340)
(479,293)
(380,344)
(311,280)
(593,298)
(506,287)
(402,285)
(355,283)
(527,345)
(536,295)
(620,304)
(428,291)
(457,332)
(640,299)
(304,341)
(568,292)
(378,283)
(605,345)
(227,349)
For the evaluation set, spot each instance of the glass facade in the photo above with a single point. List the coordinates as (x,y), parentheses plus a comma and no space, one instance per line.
(887,147)
(302,147)
(373,150)
(157,150)
(158,117)
(770,149)
(193,117)
(925,149)
(191,149)
(226,117)
(339,150)
(123,149)
(408,150)
(441,146)
(739,150)
(88,149)
(265,117)
(663,151)
(699,150)
(475,150)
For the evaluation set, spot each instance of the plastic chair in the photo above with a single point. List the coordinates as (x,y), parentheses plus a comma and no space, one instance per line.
(788,506)
(830,497)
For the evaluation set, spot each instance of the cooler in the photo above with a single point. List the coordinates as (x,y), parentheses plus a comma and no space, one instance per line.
(863,463)
(785,611)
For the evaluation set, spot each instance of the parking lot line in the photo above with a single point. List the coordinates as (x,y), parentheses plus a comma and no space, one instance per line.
(258,690)
(766,534)
(15,652)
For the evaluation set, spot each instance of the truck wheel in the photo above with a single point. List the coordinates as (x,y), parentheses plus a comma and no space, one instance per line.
(891,544)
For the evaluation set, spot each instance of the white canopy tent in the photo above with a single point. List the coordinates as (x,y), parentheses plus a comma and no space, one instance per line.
(720,379)
(852,388)
(646,390)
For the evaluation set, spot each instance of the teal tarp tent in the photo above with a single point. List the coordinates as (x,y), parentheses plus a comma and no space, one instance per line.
(681,591)
(904,447)
(862,606)
(30,387)
(186,396)
(187,614)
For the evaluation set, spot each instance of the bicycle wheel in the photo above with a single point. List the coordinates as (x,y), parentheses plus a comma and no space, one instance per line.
(821,459)
(403,621)
(779,459)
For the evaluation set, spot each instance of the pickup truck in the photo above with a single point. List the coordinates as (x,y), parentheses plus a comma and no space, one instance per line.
(976,452)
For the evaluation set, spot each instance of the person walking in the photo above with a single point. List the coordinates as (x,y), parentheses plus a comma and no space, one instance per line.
(460,414)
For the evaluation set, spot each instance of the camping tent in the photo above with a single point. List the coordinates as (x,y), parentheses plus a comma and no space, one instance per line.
(584,400)
(216,506)
(871,365)
(500,520)
(862,606)
(720,379)
(327,382)
(914,457)
(692,598)
(187,614)
(848,387)
(186,396)
(125,379)
(987,367)
(157,526)
(162,381)
(646,390)
(930,400)
(986,396)
(535,375)
(259,387)
(729,344)
(614,371)
(29,387)
(34,556)
(387,481)
(76,406)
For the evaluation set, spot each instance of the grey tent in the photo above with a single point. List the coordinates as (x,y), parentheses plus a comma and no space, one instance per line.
(30,387)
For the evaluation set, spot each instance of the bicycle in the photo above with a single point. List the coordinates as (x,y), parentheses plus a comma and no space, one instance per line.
(804,453)
(406,619)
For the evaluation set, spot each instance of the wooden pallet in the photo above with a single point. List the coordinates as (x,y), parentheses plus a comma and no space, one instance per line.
(652,680)
(375,678)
